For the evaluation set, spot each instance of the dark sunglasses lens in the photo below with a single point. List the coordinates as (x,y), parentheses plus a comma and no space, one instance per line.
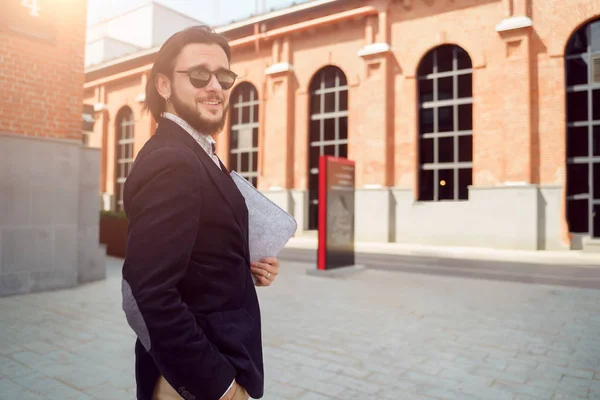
(226,79)
(199,77)
(199,83)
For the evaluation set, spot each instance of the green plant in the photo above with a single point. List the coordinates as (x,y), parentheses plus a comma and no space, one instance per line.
(113,214)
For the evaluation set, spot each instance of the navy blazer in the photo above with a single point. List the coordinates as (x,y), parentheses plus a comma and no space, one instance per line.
(187,287)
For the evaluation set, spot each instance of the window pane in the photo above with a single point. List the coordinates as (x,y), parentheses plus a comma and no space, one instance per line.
(234,115)
(314,156)
(577,179)
(329,102)
(233,144)
(329,150)
(596,181)
(255,115)
(315,104)
(426,65)
(315,130)
(343,150)
(245,114)
(233,161)
(426,185)
(343,100)
(596,221)
(463,59)
(595,36)
(445,58)
(244,166)
(329,132)
(446,119)
(465,117)
(446,184)
(343,128)
(578,43)
(596,139)
(330,74)
(426,120)
(577,215)
(465,179)
(577,106)
(245,138)
(465,86)
(465,148)
(254,137)
(425,90)
(577,72)
(445,88)
(445,149)
(254,167)
(426,151)
(596,105)
(577,142)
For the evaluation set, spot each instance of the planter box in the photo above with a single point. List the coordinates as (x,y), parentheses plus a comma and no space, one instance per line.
(113,233)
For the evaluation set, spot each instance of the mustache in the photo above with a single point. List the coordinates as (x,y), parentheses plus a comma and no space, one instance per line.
(212,98)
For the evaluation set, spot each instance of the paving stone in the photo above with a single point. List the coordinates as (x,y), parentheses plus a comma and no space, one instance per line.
(380,335)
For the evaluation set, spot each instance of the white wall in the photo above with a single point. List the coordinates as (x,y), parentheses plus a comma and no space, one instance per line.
(107,49)
(134,27)
(141,28)
(166,22)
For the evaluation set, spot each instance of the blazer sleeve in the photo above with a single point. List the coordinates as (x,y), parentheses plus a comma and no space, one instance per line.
(163,207)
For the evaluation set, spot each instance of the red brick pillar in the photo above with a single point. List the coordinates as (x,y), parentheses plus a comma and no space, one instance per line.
(279,109)
(371,131)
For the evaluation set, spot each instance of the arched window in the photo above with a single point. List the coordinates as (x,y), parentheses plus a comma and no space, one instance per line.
(243,134)
(123,152)
(445,124)
(328,128)
(582,65)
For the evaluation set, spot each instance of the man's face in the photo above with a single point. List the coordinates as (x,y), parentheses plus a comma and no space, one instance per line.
(204,108)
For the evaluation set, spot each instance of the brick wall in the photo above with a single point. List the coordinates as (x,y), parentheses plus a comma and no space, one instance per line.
(42,80)
(518,90)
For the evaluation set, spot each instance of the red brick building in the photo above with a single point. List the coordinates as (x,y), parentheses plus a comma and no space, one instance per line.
(471,122)
(49,208)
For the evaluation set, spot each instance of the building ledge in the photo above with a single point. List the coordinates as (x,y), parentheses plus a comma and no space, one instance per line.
(279,68)
(374,48)
(514,23)
(100,107)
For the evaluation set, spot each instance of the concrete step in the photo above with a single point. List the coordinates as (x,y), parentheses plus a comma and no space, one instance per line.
(591,245)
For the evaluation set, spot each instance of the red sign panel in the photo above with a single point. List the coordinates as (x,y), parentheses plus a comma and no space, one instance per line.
(336,213)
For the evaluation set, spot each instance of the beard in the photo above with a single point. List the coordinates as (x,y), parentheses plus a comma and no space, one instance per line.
(193,117)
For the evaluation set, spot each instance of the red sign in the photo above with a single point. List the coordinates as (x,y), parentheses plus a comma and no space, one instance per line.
(336,213)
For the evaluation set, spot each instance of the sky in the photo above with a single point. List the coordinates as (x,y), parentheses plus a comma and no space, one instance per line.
(212,12)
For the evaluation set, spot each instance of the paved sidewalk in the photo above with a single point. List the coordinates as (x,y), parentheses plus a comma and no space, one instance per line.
(372,335)
(574,257)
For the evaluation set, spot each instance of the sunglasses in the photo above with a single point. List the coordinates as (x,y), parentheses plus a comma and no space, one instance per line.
(200,76)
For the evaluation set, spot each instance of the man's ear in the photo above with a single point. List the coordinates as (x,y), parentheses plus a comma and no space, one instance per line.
(163,86)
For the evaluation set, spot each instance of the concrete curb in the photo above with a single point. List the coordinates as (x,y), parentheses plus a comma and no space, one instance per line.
(570,257)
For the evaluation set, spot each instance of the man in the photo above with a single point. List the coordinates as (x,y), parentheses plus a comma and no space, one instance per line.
(188,291)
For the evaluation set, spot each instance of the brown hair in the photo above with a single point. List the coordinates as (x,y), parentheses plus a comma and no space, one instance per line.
(165,61)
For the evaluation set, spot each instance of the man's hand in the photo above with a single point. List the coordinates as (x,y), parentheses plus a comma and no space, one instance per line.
(265,271)
(236,392)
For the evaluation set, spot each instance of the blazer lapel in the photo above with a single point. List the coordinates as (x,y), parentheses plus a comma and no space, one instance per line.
(220,177)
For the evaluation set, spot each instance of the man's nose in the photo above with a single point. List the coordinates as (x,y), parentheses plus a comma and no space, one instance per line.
(213,84)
